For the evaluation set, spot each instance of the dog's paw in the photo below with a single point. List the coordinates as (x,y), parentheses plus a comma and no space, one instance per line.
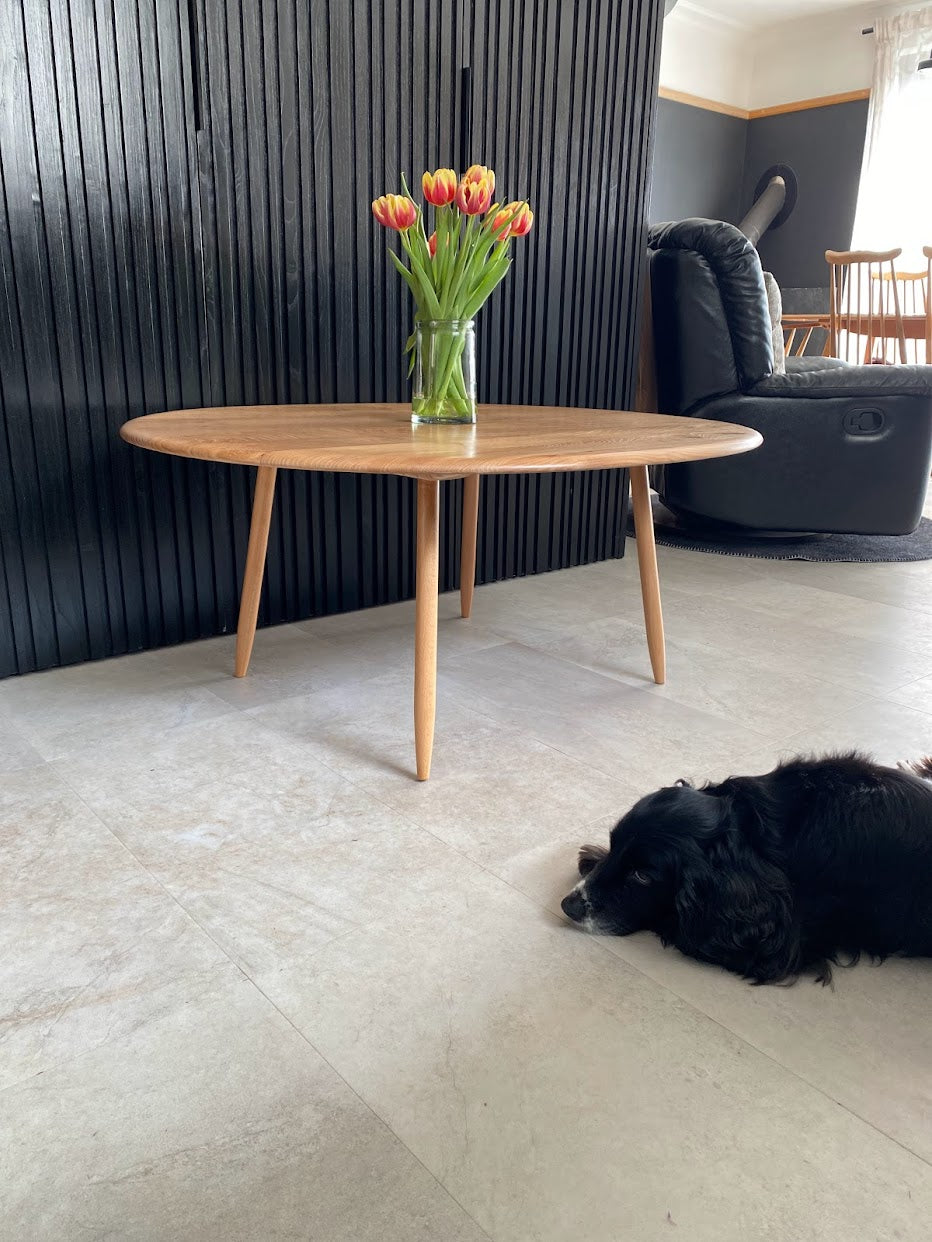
(590,856)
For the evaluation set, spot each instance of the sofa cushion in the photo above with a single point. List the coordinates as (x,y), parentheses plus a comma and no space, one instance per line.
(813,363)
(856,382)
(775,307)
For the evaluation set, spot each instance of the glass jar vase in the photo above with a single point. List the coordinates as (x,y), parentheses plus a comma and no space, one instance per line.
(444,372)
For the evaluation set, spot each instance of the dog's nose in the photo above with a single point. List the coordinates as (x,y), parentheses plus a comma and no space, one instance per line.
(574,906)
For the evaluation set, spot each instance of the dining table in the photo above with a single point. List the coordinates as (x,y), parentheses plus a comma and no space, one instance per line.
(916,327)
(382,439)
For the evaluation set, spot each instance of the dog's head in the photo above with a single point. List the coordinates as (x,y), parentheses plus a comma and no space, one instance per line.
(633,885)
(687,864)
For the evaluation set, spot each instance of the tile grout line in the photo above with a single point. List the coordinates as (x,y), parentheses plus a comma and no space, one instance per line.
(760,740)
(803,622)
(771,1058)
(648,689)
(284,1016)
(811,589)
(907,684)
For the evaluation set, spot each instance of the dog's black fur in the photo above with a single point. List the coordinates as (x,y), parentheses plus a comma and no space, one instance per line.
(771,876)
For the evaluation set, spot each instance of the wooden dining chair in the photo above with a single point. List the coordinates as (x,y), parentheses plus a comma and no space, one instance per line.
(912,289)
(927,251)
(865,310)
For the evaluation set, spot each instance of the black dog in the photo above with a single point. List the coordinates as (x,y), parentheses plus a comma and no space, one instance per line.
(769,876)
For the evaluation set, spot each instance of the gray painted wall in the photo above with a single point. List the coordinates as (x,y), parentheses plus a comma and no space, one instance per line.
(824,147)
(707,164)
(699,159)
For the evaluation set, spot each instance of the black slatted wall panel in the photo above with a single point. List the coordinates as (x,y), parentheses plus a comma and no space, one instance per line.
(312,110)
(103,550)
(184,220)
(575,88)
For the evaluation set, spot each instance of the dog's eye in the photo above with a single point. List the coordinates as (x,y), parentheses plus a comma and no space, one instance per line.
(640,878)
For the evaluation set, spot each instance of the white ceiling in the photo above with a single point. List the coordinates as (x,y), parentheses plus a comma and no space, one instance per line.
(755,14)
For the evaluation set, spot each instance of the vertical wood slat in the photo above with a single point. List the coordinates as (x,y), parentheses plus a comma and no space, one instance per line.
(575,88)
(156,254)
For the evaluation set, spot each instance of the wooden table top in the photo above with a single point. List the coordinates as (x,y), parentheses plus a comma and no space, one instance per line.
(823,317)
(914,326)
(381,439)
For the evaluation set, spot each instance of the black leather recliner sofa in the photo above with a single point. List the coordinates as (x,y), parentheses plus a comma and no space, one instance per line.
(846,448)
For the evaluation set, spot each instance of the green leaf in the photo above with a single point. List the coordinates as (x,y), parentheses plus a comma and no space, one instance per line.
(426,286)
(408,277)
(427,296)
(461,269)
(481,295)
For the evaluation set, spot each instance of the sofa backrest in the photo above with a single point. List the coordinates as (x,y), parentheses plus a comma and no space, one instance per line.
(712,331)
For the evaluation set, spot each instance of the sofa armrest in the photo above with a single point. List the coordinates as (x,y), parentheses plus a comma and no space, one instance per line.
(833,380)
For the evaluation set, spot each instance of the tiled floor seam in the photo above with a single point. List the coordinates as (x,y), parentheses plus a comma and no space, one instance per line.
(762,739)
(284,1016)
(759,740)
(774,1061)
(803,586)
(913,682)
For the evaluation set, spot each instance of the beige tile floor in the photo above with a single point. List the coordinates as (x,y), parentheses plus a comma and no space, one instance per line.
(257,983)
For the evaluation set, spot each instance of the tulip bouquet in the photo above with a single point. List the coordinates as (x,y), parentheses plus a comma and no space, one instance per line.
(451,273)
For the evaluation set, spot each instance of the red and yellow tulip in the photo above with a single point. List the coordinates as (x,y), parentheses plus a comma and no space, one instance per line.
(479,172)
(512,220)
(453,270)
(474,197)
(395,211)
(522,219)
(439,187)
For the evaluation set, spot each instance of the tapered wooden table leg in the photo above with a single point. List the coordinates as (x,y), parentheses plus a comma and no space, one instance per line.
(425,622)
(468,550)
(647,567)
(255,566)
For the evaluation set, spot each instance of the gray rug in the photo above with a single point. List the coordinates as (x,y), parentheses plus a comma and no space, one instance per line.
(671,533)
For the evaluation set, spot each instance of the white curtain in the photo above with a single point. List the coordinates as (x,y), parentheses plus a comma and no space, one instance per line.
(895,194)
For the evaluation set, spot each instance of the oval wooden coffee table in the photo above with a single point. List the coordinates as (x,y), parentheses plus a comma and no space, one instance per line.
(381,439)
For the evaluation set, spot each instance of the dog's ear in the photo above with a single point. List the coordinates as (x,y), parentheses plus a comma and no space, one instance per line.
(735,908)
(590,856)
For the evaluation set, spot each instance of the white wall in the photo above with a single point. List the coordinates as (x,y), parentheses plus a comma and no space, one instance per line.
(807,59)
(704,56)
(804,58)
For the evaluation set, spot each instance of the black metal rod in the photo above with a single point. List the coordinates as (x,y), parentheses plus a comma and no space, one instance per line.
(867,30)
